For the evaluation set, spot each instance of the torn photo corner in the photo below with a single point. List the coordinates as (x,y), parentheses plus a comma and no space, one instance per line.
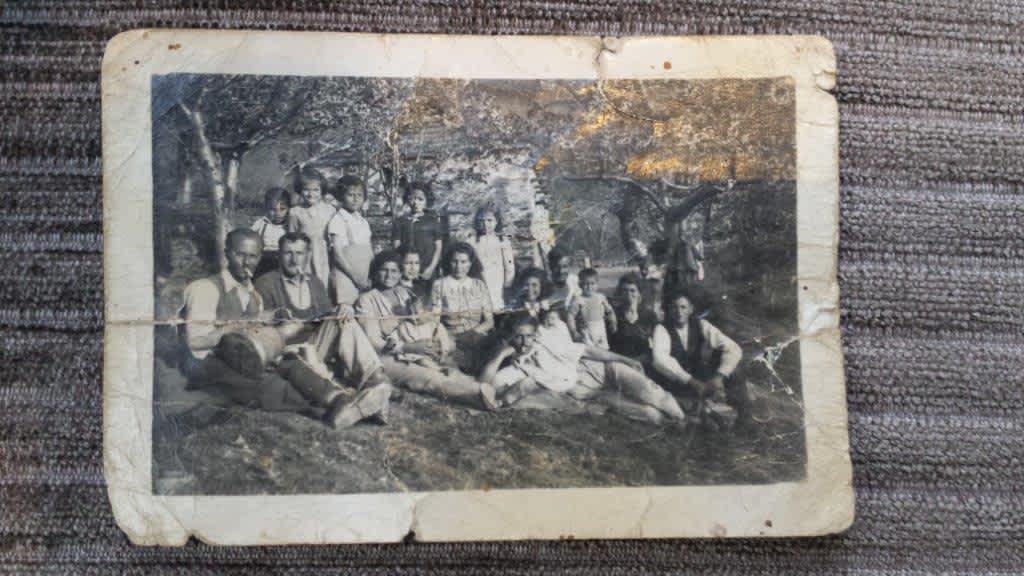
(361,288)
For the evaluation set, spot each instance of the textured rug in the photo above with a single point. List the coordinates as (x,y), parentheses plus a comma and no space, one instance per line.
(931,101)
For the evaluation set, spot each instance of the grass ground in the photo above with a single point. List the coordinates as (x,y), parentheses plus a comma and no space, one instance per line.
(200,448)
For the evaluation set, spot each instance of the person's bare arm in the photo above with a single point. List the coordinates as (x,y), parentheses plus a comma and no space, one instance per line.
(486,314)
(490,370)
(486,321)
(508,260)
(609,316)
(293,223)
(570,320)
(428,272)
(370,324)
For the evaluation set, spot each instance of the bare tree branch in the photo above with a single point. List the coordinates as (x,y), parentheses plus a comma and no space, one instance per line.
(658,200)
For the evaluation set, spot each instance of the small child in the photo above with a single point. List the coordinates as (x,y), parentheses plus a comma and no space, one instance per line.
(271,227)
(589,312)
(495,252)
(311,216)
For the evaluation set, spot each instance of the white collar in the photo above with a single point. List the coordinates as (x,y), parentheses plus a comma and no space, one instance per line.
(346,214)
(296,280)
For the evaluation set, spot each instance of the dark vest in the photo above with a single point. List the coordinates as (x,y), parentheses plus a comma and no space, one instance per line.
(229,307)
(698,358)
(272,288)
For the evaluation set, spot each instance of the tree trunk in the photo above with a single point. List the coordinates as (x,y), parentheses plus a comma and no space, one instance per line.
(234,162)
(212,162)
(185,193)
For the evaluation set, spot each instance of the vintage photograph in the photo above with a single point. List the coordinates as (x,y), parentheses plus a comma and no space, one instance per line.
(374,285)
(414,299)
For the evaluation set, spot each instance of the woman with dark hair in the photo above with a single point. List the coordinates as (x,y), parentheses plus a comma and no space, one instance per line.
(419,230)
(311,218)
(531,289)
(351,242)
(462,299)
(634,319)
(413,347)
(495,253)
(412,277)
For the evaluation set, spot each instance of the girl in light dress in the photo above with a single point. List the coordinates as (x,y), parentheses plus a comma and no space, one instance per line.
(351,243)
(310,217)
(495,253)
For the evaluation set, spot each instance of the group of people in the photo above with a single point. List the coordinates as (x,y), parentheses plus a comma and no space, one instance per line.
(306,317)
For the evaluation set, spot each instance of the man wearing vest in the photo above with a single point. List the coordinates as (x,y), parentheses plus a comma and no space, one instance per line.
(692,357)
(291,287)
(226,316)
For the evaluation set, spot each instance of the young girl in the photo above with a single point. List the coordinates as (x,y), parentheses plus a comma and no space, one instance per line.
(311,218)
(589,312)
(530,292)
(495,253)
(271,227)
(464,303)
(350,240)
(420,230)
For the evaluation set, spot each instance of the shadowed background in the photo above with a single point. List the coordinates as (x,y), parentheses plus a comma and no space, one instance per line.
(931,273)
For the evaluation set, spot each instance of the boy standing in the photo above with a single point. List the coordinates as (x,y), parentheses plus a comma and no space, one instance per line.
(590,316)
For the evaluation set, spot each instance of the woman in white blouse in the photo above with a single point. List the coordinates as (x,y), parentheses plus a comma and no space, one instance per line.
(349,238)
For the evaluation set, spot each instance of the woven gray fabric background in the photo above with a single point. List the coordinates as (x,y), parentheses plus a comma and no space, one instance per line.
(931,101)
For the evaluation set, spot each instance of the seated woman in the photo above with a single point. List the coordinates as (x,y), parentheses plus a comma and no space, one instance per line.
(462,299)
(635,321)
(412,276)
(413,347)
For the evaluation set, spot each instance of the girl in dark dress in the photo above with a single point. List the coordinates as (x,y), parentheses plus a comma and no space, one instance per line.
(420,229)
(635,321)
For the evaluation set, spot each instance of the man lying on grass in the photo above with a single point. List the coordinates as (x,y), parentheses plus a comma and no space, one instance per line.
(539,365)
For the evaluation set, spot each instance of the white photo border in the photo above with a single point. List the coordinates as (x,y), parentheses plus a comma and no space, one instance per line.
(822,503)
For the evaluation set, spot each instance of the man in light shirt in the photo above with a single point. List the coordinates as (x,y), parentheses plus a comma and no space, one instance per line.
(695,359)
(225,313)
(541,365)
